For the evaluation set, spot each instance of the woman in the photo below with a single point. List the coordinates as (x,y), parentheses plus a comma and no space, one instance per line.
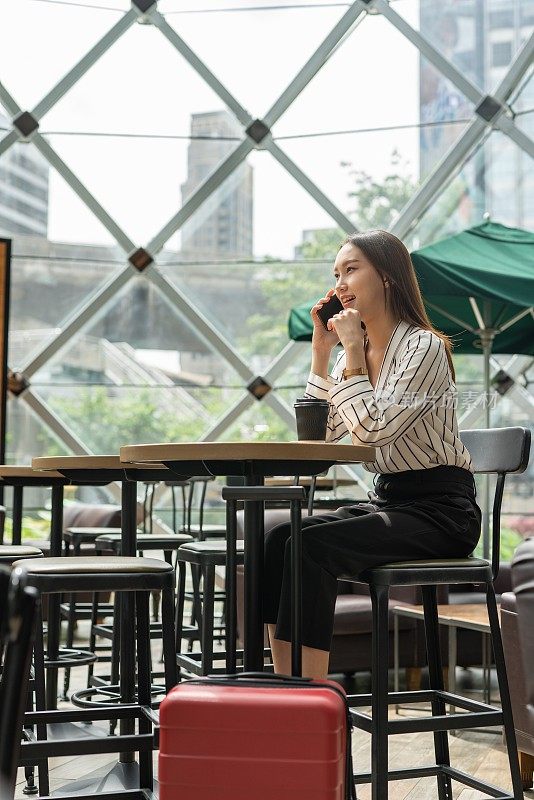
(392,387)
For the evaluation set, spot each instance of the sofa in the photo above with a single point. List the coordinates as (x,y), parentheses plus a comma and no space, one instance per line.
(517,616)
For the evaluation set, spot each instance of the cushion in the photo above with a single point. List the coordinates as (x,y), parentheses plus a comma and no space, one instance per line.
(81,565)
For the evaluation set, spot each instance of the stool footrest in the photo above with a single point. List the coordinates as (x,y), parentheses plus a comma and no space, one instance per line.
(435,770)
(422,696)
(80,699)
(192,662)
(477,715)
(443,722)
(71,658)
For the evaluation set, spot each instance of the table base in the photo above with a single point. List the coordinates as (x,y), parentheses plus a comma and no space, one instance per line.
(112,778)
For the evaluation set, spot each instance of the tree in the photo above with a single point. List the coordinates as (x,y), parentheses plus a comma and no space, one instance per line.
(106,422)
(377,203)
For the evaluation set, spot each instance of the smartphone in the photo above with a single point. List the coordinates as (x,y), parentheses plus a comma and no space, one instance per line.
(333,306)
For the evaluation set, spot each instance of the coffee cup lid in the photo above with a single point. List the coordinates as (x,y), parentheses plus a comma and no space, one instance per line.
(313,400)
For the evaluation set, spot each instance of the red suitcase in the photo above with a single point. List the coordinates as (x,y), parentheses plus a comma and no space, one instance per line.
(254,737)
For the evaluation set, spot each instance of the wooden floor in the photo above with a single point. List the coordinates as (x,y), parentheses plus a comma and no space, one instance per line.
(479,753)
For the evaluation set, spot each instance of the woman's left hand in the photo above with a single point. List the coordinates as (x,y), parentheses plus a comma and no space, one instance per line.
(348,326)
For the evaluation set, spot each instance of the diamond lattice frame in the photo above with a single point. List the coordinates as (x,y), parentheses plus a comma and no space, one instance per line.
(489,113)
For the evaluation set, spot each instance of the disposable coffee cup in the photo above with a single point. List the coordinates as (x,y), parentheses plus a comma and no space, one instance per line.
(311,416)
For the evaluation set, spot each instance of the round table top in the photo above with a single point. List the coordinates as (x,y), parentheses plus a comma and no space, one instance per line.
(61,463)
(247,451)
(8,471)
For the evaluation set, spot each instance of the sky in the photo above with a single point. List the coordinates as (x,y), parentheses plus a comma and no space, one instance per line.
(143,86)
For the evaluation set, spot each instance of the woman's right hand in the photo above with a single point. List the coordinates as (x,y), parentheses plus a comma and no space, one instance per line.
(322,339)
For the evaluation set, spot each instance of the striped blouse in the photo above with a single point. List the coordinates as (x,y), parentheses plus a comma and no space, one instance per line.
(410,415)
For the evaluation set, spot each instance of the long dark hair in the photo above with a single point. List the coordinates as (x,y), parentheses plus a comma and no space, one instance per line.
(391,259)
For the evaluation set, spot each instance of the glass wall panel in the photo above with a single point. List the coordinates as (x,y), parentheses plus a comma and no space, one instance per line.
(355,90)
(259,424)
(27,436)
(107,417)
(497,181)
(231,45)
(48,282)
(131,145)
(250,303)
(480,37)
(139,370)
(41,42)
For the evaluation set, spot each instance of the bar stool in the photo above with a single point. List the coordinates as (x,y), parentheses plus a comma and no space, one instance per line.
(80,540)
(18,609)
(8,555)
(111,543)
(205,556)
(169,543)
(196,500)
(500,451)
(14,552)
(193,493)
(135,579)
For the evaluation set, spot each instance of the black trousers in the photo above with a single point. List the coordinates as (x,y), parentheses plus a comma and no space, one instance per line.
(418,514)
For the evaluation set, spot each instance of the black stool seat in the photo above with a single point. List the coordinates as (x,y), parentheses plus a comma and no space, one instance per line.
(83,548)
(438,569)
(145,541)
(204,531)
(12,552)
(79,535)
(82,565)
(80,573)
(213,553)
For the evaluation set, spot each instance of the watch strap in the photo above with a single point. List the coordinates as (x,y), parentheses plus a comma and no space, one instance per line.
(350,373)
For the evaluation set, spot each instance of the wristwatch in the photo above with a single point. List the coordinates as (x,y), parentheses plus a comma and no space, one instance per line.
(349,373)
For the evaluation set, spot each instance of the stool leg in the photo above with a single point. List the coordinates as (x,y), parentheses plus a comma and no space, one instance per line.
(71,619)
(144,682)
(69,643)
(435,673)
(168,636)
(179,617)
(40,700)
(127,664)
(29,772)
(196,611)
(379,689)
(155,606)
(52,649)
(92,635)
(208,609)
(506,704)
(16,530)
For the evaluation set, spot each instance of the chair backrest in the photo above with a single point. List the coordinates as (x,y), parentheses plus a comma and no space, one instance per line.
(22,603)
(498,450)
(5,577)
(2,523)
(196,500)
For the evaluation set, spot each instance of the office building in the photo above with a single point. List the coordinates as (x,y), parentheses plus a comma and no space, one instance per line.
(23,189)
(481,38)
(223,226)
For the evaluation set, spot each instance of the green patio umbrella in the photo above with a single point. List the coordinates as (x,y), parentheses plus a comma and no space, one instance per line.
(478,287)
